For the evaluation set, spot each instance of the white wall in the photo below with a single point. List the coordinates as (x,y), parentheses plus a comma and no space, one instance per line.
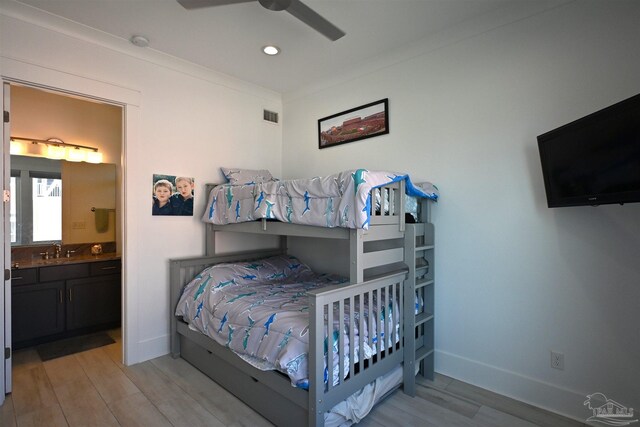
(188,121)
(514,278)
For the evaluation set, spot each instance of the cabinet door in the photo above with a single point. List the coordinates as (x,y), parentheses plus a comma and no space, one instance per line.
(93,301)
(37,310)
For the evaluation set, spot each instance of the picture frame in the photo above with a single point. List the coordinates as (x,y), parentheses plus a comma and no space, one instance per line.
(172,195)
(355,124)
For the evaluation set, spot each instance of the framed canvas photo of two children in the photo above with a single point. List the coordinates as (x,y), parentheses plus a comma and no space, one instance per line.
(172,195)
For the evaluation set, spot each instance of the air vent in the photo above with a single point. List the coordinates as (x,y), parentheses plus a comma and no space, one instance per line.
(270,116)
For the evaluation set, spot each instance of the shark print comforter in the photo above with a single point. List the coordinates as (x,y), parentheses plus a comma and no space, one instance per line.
(339,200)
(260,311)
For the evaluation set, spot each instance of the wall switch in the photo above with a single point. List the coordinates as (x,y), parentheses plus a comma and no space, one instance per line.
(557,360)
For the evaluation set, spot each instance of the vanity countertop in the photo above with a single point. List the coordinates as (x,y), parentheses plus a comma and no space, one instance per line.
(64,260)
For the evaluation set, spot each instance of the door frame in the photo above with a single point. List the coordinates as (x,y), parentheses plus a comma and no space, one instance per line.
(5,295)
(27,74)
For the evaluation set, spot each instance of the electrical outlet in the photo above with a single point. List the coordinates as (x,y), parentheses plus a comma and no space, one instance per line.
(557,360)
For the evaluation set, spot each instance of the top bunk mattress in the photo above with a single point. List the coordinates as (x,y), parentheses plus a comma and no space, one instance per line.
(338,200)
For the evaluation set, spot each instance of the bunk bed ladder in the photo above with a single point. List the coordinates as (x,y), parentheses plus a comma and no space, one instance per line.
(419,309)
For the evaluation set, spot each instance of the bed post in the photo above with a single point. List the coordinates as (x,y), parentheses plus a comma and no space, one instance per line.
(425,210)
(356,254)
(316,364)
(209,234)
(400,200)
(174,289)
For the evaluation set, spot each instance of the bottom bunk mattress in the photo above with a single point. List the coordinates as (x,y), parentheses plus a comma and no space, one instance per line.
(260,311)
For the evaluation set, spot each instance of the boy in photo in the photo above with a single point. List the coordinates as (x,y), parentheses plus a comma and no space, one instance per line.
(162,191)
(182,200)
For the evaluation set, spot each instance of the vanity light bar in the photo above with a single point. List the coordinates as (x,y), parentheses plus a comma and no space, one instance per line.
(58,149)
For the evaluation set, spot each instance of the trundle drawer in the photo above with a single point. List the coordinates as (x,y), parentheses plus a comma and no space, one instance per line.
(263,399)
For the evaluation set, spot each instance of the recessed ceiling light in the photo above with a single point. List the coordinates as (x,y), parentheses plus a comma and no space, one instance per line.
(140,41)
(271,50)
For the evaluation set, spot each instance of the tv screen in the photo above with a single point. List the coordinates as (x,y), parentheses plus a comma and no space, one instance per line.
(594,160)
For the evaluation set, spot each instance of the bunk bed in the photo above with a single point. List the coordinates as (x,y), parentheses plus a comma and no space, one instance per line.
(390,278)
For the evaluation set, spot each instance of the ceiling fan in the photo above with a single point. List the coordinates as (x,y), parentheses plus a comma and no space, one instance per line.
(294,7)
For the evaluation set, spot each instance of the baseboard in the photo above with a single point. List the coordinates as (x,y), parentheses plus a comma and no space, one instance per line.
(152,348)
(529,390)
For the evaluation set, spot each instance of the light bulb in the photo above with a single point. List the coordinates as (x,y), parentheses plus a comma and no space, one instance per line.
(56,152)
(76,155)
(16,147)
(271,50)
(94,157)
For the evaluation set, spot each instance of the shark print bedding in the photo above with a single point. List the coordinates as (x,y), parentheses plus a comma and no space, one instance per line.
(338,200)
(259,310)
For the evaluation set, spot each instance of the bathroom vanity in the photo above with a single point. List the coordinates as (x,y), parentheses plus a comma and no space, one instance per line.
(59,298)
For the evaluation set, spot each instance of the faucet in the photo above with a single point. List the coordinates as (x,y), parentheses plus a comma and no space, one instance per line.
(57,249)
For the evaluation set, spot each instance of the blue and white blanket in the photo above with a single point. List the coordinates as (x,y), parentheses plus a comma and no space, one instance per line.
(260,311)
(339,200)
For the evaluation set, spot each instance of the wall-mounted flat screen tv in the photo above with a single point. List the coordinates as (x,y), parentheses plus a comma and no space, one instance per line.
(594,160)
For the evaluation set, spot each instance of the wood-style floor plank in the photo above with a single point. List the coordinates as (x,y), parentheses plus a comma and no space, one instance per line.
(439,382)
(136,410)
(63,370)
(7,414)
(169,398)
(510,406)
(489,417)
(228,408)
(50,417)
(106,376)
(114,351)
(82,404)
(94,388)
(32,390)
(447,400)
(427,412)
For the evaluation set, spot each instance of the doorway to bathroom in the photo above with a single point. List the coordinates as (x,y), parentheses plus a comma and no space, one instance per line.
(81,263)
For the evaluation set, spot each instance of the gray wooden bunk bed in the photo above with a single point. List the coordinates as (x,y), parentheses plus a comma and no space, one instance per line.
(392,259)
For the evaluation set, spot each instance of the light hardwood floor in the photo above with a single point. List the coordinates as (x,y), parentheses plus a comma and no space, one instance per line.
(93,388)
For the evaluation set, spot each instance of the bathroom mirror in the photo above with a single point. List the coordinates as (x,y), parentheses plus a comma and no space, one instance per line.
(61,201)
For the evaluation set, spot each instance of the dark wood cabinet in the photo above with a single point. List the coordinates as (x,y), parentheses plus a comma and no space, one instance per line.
(59,301)
(37,311)
(93,301)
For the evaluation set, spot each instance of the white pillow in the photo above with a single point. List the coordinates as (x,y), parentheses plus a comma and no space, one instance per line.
(239,176)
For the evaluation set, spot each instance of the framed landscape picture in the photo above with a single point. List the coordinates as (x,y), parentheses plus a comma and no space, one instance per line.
(358,123)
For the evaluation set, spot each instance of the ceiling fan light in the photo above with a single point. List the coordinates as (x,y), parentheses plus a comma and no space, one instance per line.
(271,50)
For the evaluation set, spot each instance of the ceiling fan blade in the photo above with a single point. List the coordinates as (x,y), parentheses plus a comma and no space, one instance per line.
(197,4)
(314,20)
